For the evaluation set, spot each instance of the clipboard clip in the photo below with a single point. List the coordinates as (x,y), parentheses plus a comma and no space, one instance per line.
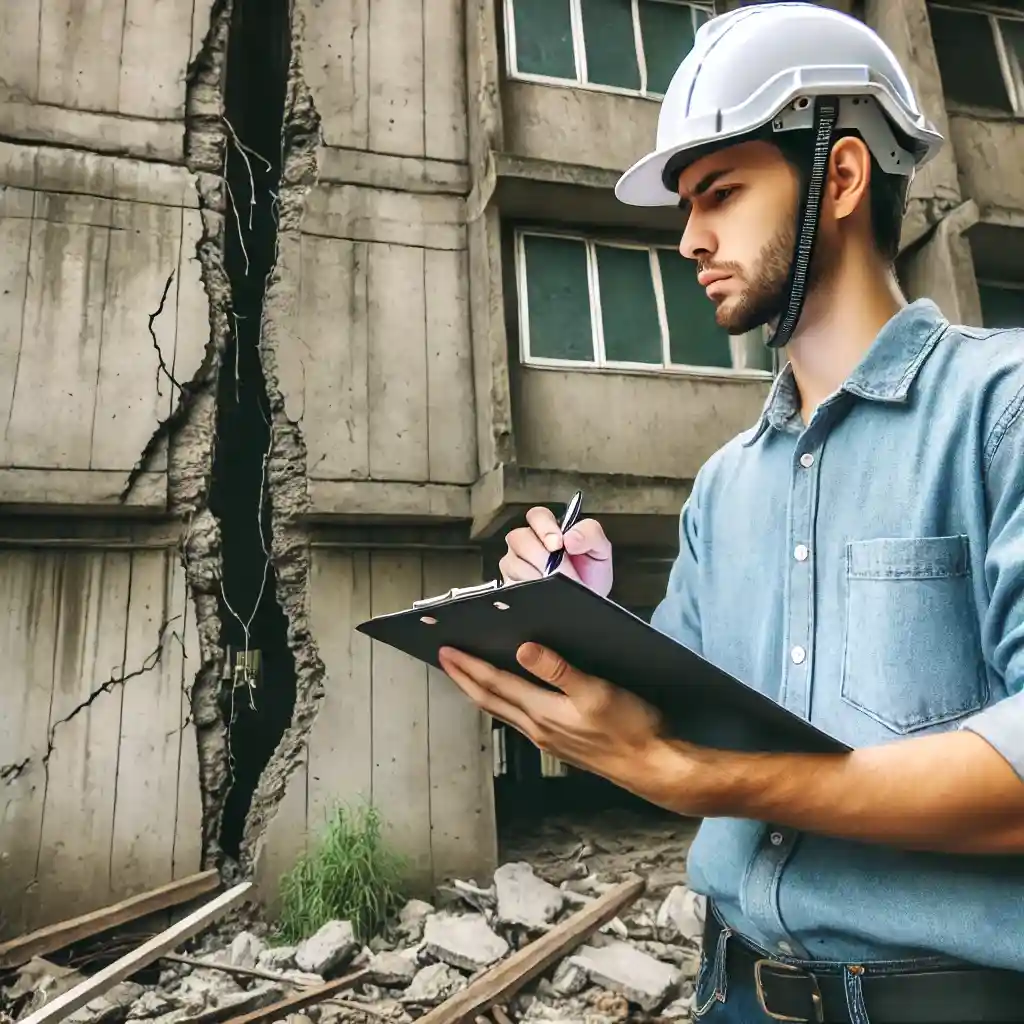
(456,592)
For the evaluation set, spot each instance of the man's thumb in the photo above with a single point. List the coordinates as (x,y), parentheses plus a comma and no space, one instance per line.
(545,665)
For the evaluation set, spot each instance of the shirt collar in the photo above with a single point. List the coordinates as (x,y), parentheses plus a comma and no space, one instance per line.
(885,374)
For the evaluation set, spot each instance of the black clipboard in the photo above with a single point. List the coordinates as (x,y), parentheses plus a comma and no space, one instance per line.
(700,703)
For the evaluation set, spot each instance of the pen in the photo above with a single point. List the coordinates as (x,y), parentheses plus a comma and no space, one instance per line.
(572,513)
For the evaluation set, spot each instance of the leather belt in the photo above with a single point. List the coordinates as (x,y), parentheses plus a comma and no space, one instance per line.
(794,994)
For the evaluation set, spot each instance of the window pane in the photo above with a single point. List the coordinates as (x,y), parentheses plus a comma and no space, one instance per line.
(1013,39)
(667,32)
(1001,307)
(611,46)
(968,62)
(558,295)
(544,38)
(629,310)
(694,337)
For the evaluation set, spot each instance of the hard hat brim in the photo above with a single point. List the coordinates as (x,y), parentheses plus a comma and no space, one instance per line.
(643,184)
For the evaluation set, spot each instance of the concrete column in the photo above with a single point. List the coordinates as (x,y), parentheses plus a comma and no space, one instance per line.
(941,267)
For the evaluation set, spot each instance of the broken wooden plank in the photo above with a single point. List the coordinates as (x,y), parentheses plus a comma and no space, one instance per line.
(64,933)
(134,961)
(510,975)
(298,1002)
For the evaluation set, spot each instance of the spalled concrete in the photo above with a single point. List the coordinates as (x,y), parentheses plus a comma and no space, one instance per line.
(623,968)
(524,898)
(463,940)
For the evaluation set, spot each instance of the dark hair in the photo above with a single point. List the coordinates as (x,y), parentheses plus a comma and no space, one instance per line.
(888,192)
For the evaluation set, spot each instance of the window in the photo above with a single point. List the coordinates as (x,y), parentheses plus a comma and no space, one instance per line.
(981,56)
(586,302)
(631,46)
(1002,305)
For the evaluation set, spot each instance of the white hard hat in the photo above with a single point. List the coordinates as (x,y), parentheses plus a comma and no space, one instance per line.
(762,68)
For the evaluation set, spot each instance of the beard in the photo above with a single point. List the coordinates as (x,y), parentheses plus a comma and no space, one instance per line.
(766,295)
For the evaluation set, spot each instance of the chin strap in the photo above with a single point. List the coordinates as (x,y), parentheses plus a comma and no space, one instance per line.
(826,112)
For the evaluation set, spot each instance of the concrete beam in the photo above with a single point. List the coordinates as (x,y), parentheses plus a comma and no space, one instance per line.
(384,500)
(81,489)
(508,491)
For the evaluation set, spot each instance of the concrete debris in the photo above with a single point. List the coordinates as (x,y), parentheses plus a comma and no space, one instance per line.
(245,950)
(39,981)
(110,1007)
(392,969)
(569,979)
(681,1009)
(463,940)
(432,985)
(623,968)
(152,1003)
(411,919)
(681,916)
(524,898)
(277,958)
(639,967)
(333,946)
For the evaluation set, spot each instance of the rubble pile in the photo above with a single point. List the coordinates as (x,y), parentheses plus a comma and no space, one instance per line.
(640,966)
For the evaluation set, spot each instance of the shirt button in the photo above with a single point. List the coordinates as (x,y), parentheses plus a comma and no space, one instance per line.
(798,654)
(800,552)
(776,838)
(807,460)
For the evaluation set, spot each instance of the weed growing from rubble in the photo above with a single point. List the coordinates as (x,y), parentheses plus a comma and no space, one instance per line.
(349,874)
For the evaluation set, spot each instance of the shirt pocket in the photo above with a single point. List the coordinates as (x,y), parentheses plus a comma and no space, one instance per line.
(912,653)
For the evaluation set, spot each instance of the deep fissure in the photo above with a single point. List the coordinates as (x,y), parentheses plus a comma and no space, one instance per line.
(257,697)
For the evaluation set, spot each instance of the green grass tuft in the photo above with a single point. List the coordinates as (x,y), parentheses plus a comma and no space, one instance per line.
(348,874)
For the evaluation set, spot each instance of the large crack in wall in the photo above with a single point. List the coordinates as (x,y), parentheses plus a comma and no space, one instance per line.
(287,464)
(238,463)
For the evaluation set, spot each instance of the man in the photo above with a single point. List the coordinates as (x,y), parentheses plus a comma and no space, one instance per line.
(858,555)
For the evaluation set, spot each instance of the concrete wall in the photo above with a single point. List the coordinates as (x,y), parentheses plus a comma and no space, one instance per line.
(646,425)
(99,226)
(390,730)
(100,792)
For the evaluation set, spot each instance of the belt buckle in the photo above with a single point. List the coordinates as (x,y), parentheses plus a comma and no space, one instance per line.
(819,1013)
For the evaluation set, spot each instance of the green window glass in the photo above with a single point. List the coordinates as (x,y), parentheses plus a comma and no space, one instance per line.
(558,298)
(694,338)
(977,81)
(1001,307)
(629,309)
(543,31)
(667,31)
(609,43)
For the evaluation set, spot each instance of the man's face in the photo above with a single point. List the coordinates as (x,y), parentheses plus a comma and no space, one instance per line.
(741,231)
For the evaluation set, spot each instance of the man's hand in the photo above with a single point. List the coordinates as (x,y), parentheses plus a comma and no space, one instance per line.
(948,793)
(590,723)
(588,551)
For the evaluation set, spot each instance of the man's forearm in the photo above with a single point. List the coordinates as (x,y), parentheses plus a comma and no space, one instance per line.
(950,793)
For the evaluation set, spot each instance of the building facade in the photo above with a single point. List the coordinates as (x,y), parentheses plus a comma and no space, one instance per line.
(305,304)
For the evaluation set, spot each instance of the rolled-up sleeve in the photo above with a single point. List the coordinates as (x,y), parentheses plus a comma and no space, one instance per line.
(1002,723)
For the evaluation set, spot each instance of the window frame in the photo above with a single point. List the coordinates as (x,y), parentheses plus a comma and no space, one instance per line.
(1008,61)
(599,361)
(580,52)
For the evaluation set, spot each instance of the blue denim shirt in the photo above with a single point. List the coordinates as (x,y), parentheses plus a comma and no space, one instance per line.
(866,570)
